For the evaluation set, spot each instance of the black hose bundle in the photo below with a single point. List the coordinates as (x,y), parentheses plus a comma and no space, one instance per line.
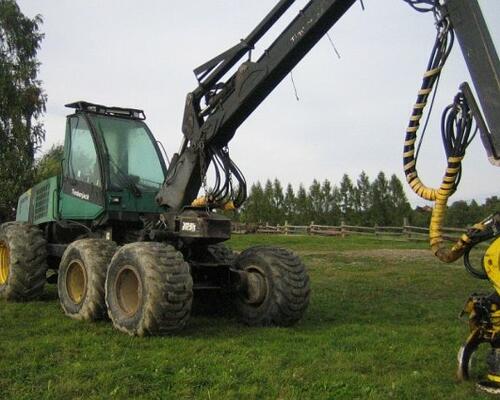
(224,190)
(456,128)
(423,5)
(440,52)
(224,193)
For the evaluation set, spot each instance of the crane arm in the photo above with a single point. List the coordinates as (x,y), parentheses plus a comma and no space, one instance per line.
(209,127)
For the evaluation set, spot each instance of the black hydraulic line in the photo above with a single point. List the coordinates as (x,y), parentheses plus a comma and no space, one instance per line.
(230,103)
(482,61)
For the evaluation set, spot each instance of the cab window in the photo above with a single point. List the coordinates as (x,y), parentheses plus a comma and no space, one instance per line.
(132,154)
(82,164)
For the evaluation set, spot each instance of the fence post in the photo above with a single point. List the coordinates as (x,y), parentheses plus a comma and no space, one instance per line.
(406,229)
(286,227)
(376,230)
(342,229)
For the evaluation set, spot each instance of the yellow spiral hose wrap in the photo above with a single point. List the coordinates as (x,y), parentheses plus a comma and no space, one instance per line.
(441,195)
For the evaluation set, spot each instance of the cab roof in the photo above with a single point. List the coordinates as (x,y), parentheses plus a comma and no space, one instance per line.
(85,106)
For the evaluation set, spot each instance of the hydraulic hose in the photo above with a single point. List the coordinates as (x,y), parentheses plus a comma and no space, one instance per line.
(456,128)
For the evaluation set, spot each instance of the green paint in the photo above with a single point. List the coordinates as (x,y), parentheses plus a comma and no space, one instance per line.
(39,204)
(133,159)
(44,199)
(71,207)
(130,203)
(23,207)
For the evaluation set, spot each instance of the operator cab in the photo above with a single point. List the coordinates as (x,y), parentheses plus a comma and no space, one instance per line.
(111,158)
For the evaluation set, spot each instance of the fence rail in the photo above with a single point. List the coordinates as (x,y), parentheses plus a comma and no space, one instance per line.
(406,232)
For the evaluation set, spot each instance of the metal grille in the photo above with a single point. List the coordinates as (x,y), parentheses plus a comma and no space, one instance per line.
(23,202)
(41,203)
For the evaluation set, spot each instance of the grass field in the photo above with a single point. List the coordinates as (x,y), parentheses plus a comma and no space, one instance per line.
(382,324)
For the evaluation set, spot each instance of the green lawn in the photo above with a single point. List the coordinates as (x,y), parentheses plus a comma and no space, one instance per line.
(382,324)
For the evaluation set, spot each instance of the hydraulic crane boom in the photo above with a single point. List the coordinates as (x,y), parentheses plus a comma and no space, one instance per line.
(208,129)
(215,109)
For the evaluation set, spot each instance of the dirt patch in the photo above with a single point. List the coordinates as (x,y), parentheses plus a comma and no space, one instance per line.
(380,254)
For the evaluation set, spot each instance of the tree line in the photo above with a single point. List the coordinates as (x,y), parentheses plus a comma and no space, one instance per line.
(361,202)
(22,102)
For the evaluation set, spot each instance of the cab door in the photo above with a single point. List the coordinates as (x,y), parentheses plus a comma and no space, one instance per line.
(82,196)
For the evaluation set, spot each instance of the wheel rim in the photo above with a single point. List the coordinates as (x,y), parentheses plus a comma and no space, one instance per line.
(257,286)
(128,289)
(76,281)
(4,263)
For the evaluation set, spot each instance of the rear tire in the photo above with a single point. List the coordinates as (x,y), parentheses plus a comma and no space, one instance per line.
(221,253)
(23,261)
(81,278)
(278,287)
(149,289)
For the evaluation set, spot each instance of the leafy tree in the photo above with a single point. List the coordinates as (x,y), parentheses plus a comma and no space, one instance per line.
(331,211)
(22,102)
(302,207)
(380,200)
(476,212)
(421,216)
(316,202)
(336,216)
(268,211)
(49,164)
(252,211)
(400,208)
(363,200)
(289,204)
(458,214)
(278,202)
(491,205)
(347,199)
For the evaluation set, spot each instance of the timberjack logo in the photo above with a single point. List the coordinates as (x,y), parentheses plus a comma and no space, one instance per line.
(189,226)
(80,195)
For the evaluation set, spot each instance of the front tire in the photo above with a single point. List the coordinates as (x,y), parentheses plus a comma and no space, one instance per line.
(277,287)
(81,278)
(23,261)
(149,289)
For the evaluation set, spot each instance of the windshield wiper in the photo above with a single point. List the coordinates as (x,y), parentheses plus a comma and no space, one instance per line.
(127,180)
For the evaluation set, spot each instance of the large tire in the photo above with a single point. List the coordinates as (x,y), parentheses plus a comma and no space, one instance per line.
(23,261)
(149,289)
(82,276)
(278,287)
(221,253)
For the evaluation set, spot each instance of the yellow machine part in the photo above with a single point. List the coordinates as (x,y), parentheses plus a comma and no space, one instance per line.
(4,263)
(204,202)
(441,194)
(491,264)
(494,378)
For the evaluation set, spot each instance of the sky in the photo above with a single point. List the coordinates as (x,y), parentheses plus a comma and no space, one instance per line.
(351,114)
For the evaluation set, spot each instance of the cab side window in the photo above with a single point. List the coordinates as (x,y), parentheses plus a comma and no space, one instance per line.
(82,162)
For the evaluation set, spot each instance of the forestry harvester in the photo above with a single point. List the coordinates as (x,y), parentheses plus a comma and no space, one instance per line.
(131,238)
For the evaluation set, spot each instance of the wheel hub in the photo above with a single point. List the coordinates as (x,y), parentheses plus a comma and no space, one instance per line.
(4,263)
(128,289)
(76,281)
(256,287)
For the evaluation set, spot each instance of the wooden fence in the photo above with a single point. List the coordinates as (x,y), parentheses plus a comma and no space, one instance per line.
(406,232)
